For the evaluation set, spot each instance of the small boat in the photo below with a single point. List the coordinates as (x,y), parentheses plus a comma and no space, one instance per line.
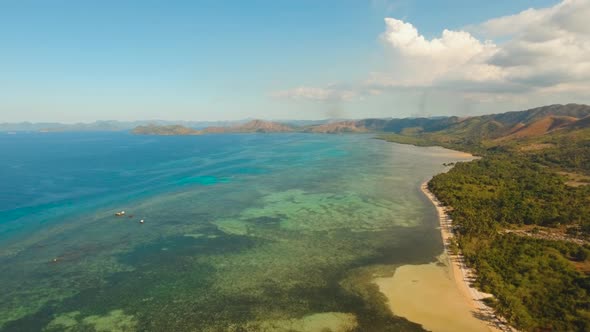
(141,221)
(120,214)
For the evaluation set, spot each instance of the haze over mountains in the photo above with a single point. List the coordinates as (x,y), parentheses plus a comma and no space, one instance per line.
(110,125)
(113,125)
(519,124)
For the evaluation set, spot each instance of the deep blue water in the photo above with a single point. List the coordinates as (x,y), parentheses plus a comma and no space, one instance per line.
(51,175)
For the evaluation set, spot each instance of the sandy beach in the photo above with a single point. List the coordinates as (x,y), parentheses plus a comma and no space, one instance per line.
(463,275)
(439,295)
(426,294)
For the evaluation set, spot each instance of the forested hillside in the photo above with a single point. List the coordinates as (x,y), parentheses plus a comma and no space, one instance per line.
(521,213)
(486,133)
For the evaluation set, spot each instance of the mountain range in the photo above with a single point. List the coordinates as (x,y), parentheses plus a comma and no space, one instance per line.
(494,129)
(523,128)
(450,130)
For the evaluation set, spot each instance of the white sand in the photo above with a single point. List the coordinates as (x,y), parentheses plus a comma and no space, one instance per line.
(463,275)
(440,296)
(427,295)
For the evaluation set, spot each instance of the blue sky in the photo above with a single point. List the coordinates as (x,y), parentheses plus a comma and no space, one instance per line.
(215,60)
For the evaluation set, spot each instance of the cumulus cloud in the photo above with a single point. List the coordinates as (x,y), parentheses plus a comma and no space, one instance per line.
(547,48)
(453,45)
(542,49)
(535,51)
(568,15)
(417,61)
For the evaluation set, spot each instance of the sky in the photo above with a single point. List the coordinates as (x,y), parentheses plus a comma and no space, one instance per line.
(81,61)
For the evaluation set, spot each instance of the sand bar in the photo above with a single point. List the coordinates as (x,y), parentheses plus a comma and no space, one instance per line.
(426,294)
(439,295)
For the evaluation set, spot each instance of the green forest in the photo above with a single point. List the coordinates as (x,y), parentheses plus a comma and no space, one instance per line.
(538,181)
(535,282)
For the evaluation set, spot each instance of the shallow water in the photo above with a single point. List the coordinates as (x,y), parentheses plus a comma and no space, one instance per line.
(252,232)
(447,310)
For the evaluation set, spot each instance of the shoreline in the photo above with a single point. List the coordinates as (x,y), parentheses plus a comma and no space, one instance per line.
(463,275)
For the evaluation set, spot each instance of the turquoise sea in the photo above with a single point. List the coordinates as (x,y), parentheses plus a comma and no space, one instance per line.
(244,232)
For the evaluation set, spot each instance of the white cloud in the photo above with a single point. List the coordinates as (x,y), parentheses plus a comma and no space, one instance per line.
(457,46)
(417,61)
(508,25)
(537,51)
(568,15)
(551,50)
(542,48)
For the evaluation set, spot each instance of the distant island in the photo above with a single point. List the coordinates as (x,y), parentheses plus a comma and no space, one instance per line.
(169,130)
(120,126)
(419,130)
(254,126)
(452,132)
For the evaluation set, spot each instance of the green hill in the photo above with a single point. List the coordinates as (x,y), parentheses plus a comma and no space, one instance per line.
(522,212)
(487,132)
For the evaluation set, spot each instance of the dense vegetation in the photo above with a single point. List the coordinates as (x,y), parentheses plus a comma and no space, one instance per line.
(501,190)
(538,284)
(569,151)
(535,282)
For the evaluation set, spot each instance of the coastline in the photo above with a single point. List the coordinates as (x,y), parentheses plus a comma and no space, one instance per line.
(463,275)
(445,282)
(438,295)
